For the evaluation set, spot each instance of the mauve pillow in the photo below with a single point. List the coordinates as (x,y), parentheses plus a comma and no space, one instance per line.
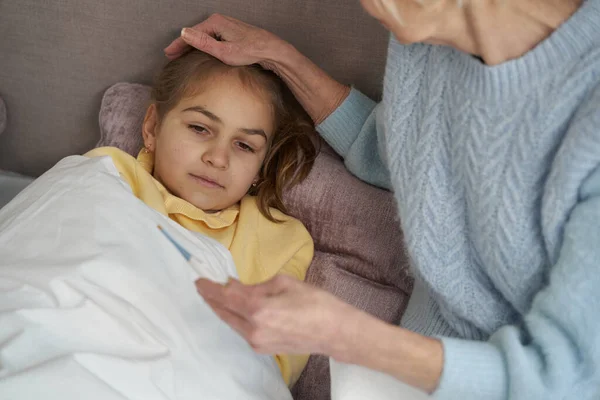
(121,116)
(359,252)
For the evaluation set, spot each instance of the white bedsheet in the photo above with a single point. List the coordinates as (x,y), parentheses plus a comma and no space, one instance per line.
(95,303)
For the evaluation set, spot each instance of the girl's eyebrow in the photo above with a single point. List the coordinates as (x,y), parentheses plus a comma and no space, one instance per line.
(254,132)
(204,111)
(218,120)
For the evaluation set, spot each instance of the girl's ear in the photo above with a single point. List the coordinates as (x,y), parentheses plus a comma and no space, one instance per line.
(150,128)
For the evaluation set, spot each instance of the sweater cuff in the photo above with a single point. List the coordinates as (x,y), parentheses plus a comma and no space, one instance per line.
(472,370)
(341,128)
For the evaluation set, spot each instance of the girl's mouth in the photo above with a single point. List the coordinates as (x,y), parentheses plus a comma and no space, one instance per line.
(206,181)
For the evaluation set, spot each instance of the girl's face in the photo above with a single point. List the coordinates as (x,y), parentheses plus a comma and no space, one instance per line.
(209,149)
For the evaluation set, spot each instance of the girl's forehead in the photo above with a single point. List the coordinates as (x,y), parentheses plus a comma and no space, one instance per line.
(230,105)
(218,85)
(226,97)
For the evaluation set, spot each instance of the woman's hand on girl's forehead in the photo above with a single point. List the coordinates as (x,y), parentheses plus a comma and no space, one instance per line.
(228,39)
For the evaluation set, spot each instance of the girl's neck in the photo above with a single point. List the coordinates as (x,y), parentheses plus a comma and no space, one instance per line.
(502,30)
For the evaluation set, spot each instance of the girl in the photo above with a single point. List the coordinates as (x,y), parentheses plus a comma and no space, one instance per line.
(221,144)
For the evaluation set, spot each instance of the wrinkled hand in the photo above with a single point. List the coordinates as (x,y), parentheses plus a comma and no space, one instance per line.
(228,39)
(282,315)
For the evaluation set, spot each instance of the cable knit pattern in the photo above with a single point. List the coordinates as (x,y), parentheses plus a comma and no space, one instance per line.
(490,167)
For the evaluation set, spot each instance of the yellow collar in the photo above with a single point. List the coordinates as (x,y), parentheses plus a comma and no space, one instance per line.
(177,205)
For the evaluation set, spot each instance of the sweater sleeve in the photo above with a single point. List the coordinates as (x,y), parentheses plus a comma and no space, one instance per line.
(353,130)
(557,348)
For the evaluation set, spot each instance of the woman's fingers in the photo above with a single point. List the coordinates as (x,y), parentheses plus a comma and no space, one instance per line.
(206,43)
(200,40)
(220,300)
(181,44)
(273,287)
(231,41)
(176,48)
(237,322)
(236,307)
(210,290)
(234,296)
(280,315)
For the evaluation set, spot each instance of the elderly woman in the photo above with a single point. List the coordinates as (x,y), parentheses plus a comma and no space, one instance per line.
(489,136)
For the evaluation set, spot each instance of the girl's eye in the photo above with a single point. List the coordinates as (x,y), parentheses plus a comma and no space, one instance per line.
(198,129)
(245,147)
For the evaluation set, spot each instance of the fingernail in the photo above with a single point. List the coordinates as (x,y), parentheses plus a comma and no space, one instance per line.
(184,32)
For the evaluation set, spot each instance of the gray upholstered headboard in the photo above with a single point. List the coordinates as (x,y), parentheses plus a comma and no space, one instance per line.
(58,57)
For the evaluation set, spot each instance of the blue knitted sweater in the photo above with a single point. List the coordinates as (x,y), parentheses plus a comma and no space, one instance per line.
(496,172)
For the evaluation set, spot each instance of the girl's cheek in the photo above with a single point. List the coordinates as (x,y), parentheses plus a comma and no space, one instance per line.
(180,152)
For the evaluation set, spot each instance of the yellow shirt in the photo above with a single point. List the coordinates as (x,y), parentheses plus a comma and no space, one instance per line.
(260,248)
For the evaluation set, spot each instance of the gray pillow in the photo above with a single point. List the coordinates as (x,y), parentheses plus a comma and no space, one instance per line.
(10,185)
(3,116)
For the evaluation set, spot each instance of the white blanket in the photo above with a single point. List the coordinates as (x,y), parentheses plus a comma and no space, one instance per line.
(95,303)
(352,382)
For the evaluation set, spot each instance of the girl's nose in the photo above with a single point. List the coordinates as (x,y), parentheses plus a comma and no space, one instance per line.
(216,156)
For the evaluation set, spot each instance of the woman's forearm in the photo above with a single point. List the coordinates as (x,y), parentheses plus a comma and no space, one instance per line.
(412,358)
(315,90)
